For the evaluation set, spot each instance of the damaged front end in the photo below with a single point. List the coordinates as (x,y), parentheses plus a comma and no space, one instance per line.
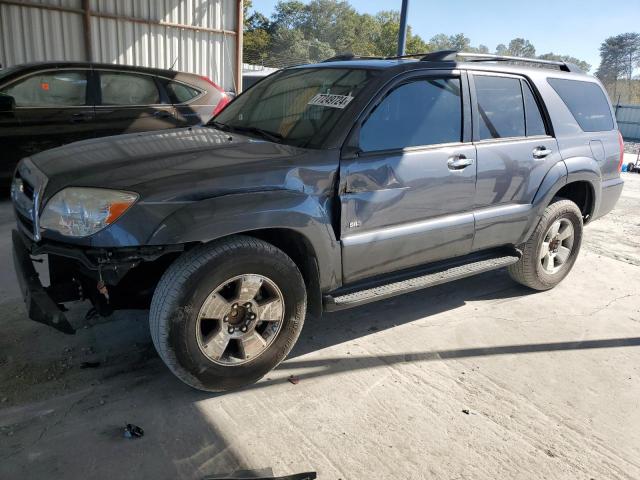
(111,279)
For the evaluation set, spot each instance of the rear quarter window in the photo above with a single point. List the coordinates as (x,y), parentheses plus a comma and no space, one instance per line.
(586,102)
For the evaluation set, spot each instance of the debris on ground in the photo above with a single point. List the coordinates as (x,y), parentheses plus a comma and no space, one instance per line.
(465,411)
(293,379)
(133,431)
(89,365)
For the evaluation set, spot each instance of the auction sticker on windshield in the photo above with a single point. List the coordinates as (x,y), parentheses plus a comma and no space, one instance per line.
(330,100)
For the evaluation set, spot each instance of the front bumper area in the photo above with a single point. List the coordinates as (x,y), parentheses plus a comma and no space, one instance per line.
(40,306)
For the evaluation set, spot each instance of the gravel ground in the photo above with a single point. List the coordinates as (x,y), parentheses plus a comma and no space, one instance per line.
(477,379)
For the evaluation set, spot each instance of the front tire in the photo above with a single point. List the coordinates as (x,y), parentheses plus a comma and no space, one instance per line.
(226,313)
(552,249)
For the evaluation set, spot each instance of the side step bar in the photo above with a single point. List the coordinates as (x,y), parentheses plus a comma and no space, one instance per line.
(434,276)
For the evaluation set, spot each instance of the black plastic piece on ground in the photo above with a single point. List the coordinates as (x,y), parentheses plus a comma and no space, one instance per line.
(40,306)
(133,431)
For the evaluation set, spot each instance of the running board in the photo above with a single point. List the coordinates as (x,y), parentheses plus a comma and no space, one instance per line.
(434,276)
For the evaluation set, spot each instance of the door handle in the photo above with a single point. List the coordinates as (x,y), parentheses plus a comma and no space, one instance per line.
(162,114)
(459,162)
(541,152)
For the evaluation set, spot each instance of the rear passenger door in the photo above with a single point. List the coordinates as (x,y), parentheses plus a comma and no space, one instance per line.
(131,102)
(514,153)
(408,191)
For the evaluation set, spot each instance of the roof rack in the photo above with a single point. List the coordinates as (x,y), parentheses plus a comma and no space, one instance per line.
(451,55)
(343,57)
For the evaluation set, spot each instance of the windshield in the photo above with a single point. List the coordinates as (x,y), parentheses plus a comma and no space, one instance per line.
(298,107)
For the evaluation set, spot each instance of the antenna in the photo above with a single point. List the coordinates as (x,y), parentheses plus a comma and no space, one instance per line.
(174,62)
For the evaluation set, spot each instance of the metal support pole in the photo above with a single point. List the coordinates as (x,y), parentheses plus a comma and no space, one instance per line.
(240,28)
(86,27)
(402,34)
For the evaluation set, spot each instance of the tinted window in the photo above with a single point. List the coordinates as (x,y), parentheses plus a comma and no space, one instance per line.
(302,105)
(128,89)
(500,107)
(50,89)
(587,103)
(181,93)
(423,112)
(535,124)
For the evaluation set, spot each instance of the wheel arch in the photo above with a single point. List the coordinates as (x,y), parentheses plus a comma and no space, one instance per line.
(577,179)
(292,221)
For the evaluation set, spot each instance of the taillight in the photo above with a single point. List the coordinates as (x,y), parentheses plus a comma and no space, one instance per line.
(224,101)
(621,141)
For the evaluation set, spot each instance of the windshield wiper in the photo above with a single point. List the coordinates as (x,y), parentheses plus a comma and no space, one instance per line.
(266,134)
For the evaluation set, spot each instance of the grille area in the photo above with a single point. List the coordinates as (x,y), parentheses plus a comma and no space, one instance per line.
(26,194)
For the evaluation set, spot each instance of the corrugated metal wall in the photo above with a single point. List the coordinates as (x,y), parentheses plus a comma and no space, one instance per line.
(32,34)
(628,117)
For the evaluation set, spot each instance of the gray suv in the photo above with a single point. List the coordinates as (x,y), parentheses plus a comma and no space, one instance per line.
(322,187)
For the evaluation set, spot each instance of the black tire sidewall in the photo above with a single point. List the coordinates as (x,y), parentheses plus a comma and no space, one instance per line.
(183,322)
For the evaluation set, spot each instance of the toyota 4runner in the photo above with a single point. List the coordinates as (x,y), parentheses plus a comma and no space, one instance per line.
(321,187)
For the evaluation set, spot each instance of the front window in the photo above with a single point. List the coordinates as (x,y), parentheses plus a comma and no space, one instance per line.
(56,88)
(298,107)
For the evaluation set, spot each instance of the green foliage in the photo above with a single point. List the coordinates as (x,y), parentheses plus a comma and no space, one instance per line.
(619,56)
(303,32)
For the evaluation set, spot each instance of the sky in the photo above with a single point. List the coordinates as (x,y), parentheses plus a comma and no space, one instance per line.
(568,27)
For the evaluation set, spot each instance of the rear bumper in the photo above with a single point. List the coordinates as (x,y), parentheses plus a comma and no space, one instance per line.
(40,306)
(611,191)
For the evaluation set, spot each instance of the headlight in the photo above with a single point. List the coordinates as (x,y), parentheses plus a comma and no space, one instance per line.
(79,212)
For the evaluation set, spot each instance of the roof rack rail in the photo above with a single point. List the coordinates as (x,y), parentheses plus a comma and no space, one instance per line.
(452,55)
(487,57)
(343,57)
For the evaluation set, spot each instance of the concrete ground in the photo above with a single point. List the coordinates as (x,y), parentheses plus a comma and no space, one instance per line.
(478,379)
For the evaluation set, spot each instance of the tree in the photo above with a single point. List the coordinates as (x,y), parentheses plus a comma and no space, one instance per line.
(519,47)
(257,45)
(619,55)
(309,31)
(452,42)
(501,49)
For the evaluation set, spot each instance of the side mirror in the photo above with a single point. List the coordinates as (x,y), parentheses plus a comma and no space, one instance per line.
(7,103)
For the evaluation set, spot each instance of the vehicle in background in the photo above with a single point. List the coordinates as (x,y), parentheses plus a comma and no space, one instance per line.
(45,105)
(634,166)
(323,186)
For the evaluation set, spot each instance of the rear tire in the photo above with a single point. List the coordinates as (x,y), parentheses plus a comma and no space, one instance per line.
(630,167)
(552,249)
(199,301)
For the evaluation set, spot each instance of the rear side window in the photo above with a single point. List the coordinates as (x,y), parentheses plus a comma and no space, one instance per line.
(500,107)
(535,123)
(422,112)
(128,89)
(181,93)
(50,89)
(586,102)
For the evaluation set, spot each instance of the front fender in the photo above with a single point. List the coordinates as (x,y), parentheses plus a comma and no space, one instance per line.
(218,217)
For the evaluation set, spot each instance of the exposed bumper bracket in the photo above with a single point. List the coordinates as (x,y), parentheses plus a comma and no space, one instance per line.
(40,306)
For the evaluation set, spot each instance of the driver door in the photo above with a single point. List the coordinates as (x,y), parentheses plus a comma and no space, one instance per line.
(408,177)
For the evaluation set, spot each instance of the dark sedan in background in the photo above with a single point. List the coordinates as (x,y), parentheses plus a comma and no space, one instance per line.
(46,105)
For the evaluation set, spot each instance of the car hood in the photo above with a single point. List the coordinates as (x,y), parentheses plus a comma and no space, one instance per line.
(181,164)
